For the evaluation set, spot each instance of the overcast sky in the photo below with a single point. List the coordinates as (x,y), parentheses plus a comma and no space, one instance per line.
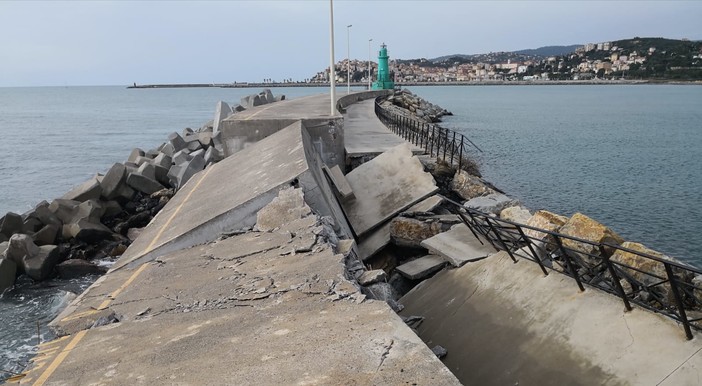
(117,43)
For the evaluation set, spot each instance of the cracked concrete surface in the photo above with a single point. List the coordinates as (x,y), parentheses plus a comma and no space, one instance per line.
(247,309)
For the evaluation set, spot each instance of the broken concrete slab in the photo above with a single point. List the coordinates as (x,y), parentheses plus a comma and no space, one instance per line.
(385,186)
(374,242)
(372,277)
(422,267)
(287,207)
(458,246)
(493,203)
(426,205)
(205,207)
(339,182)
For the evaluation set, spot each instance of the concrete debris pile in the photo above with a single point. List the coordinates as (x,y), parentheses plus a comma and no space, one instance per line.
(414,106)
(98,219)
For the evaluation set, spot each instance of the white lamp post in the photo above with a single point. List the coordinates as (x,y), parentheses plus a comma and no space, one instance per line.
(369,63)
(348,59)
(332,75)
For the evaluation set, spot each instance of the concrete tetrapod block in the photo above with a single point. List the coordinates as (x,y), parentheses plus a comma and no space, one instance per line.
(136,153)
(144,180)
(458,246)
(90,189)
(177,142)
(41,265)
(46,235)
(268,95)
(10,224)
(85,230)
(385,186)
(44,215)
(221,111)
(186,171)
(8,271)
(181,157)
(421,268)
(20,245)
(163,160)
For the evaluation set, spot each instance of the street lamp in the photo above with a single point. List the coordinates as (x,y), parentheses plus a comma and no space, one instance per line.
(332,81)
(348,59)
(369,63)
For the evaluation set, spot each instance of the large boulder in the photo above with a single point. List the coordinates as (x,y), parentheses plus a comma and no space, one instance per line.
(642,269)
(74,268)
(88,190)
(545,220)
(11,223)
(41,265)
(518,214)
(8,272)
(410,232)
(493,203)
(582,227)
(468,186)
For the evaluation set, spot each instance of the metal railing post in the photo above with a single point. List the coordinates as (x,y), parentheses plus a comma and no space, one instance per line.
(497,234)
(615,278)
(460,156)
(569,263)
(531,248)
(678,299)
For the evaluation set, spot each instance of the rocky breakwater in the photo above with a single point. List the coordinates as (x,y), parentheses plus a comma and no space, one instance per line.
(98,219)
(406,103)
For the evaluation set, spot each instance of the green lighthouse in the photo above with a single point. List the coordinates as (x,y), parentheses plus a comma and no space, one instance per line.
(384,82)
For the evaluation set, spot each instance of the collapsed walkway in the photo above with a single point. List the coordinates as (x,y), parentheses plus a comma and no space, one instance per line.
(202,297)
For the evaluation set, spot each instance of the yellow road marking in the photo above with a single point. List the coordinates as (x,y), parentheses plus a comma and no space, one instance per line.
(60,358)
(53,342)
(175,213)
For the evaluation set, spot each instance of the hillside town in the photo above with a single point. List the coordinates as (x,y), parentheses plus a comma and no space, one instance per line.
(638,58)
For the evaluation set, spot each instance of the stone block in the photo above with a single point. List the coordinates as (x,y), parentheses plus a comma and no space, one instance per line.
(41,265)
(410,232)
(162,174)
(90,189)
(545,220)
(468,186)
(20,245)
(195,145)
(112,208)
(91,210)
(63,209)
(181,157)
(197,153)
(372,277)
(518,214)
(168,149)
(176,141)
(11,223)
(152,153)
(163,160)
(221,112)
(173,173)
(46,235)
(421,268)
(144,184)
(89,232)
(147,170)
(493,203)
(42,213)
(141,160)
(8,272)
(585,228)
(115,178)
(136,152)
(187,170)
(205,139)
(75,268)
(648,266)
(268,95)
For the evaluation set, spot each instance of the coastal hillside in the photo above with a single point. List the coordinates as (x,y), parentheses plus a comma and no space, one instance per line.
(652,59)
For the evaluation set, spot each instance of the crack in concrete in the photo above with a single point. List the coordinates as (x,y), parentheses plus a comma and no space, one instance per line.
(630,334)
(387,347)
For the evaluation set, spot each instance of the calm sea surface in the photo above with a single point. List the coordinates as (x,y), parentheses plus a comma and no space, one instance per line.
(628,156)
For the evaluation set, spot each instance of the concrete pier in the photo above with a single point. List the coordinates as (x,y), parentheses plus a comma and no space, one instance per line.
(201,297)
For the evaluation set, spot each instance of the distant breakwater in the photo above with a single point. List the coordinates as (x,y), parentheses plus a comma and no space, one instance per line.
(404,84)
